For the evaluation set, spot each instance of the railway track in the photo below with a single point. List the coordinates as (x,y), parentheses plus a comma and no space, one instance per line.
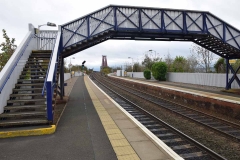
(182,144)
(227,128)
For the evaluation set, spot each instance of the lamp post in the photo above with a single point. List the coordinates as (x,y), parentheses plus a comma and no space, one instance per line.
(48,24)
(154,51)
(132,65)
(71,65)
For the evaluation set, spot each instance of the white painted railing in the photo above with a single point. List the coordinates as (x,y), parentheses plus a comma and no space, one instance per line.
(11,71)
(46,39)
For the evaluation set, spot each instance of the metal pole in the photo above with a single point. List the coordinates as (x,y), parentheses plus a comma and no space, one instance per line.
(132,67)
(38,35)
(62,78)
(227,69)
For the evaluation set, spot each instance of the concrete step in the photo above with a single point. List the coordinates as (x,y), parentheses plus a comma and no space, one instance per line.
(26,100)
(22,114)
(33,76)
(35,69)
(39,106)
(25,94)
(23,122)
(42,63)
(38,56)
(30,84)
(31,80)
(41,51)
(44,56)
(26,89)
(34,72)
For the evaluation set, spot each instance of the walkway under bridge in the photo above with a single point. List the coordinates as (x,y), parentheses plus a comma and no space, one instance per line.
(122,23)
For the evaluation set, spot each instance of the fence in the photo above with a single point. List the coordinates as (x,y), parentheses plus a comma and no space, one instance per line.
(208,79)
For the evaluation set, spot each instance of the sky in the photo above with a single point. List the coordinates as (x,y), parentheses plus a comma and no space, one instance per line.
(15,15)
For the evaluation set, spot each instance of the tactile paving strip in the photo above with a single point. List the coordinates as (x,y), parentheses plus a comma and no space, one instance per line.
(121,146)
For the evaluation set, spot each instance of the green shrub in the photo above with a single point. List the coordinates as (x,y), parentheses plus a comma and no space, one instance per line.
(159,71)
(147,74)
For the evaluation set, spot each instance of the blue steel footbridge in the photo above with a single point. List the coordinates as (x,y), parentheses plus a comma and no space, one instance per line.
(112,22)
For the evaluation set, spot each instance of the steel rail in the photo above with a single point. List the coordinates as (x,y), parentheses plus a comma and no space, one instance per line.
(191,140)
(230,124)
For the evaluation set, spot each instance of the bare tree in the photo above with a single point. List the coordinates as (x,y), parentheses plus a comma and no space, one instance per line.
(192,63)
(147,62)
(204,56)
(169,61)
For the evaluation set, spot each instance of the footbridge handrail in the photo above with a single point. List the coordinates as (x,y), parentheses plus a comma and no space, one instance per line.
(51,76)
(8,69)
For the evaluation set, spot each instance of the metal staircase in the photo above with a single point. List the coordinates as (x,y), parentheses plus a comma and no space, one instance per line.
(26,105)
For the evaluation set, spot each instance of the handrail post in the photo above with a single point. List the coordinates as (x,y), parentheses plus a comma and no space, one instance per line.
(49,102)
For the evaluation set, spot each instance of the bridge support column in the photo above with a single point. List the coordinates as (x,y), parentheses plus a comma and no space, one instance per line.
(62,78)
(227,72)
(234,77)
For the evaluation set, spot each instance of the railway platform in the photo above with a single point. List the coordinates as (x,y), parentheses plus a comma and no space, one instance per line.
(92,127)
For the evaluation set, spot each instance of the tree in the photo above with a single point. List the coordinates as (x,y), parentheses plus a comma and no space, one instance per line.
(192,63)
(66,70)
(179,64)
(220,66)
(159,71)
(204,56)
(236,65)
(137,67)
(147,62)
(116,68)
(106,70)
(147,74)
(169,61)
(8,47)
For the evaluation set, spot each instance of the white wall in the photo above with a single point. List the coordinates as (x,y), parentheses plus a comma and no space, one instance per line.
(208,79)
(135,74)
(68,76)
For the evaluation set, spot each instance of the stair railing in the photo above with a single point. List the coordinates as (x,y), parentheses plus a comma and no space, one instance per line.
(50,82)
(14,66)
(46,39)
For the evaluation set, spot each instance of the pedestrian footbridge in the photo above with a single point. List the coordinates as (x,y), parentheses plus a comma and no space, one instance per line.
(28,82)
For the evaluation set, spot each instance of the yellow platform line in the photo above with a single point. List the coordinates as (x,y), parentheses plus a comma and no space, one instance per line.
(31,132)
(121,146)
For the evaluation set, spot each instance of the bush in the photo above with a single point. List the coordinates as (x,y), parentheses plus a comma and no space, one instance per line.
(159,71)
(147,74)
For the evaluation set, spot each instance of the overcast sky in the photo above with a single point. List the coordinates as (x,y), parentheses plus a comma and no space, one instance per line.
(16,14)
